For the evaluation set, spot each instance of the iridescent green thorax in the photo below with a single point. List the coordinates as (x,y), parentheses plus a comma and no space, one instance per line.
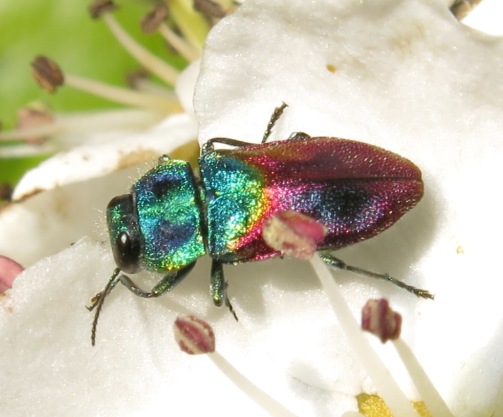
(169,217)
(235,201)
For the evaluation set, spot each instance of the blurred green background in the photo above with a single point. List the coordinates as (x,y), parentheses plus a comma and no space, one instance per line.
(64,31)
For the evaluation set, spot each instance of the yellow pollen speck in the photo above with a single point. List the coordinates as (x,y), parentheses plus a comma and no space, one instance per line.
(331,68)
(374,406)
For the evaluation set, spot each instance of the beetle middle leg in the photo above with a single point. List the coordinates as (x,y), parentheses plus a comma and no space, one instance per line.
(334,262)
(218,287)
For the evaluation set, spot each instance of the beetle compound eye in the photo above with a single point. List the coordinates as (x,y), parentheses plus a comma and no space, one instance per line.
(127,252)
(124,231)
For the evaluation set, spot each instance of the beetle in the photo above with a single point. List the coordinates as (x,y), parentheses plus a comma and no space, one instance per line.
(172,217)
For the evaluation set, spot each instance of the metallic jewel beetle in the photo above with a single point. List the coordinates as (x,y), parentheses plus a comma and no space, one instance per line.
(171,217)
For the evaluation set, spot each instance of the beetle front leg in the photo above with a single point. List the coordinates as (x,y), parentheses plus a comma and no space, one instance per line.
(334,262)
(218,287)
(167,283)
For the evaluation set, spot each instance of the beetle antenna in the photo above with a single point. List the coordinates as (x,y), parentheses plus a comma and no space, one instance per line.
(98,299)
(278,111)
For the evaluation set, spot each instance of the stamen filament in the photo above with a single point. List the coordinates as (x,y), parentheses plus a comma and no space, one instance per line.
(49,129)
(388,389)
(196,337)
(26,150)
(192,24)
(122,95)
(436,405)
(178,43)
(127,119)
(264,400)
(162,69)
(144,85)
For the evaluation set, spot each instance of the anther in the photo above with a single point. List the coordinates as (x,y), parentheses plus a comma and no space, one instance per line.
(154,19)
(47,73)
(209,8)
(99,7)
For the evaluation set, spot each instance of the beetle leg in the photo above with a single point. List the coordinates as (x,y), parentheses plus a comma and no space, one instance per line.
(278,111)
(98,300)
(218,287)
(334,262)
(298,135)
(208,146)
(167,283)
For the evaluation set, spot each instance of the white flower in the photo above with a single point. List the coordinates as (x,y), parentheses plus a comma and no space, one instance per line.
(404,75)
(410,78)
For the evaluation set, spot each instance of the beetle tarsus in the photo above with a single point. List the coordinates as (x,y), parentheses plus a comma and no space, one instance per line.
(231,309)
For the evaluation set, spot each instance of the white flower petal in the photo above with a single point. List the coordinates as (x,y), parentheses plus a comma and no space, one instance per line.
(94,160)
(136,367)
(185,86)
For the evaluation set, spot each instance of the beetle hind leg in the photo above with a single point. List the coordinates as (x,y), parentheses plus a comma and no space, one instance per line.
(218,287)
(334,262)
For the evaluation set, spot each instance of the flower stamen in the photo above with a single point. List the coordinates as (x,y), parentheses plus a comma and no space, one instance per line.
(429,394)
(193,26)
(123,95)
(154,22)
(47,74)
(195,336)
(162,69)
(291,230)
(379,319)
(386,386)
(9,270)
(129,119)
(139,80)
(153,19)
(50,76)
(210,8)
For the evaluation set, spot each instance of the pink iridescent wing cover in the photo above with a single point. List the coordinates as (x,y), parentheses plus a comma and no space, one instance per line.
(355,189)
